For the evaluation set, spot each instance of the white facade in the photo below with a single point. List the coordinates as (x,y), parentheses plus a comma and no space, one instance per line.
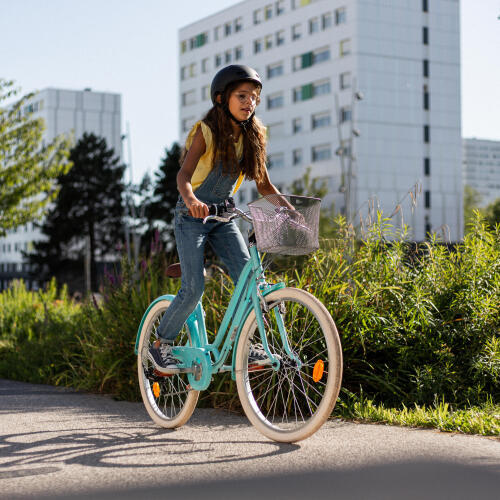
(64,112)
(482,168)
(403,55)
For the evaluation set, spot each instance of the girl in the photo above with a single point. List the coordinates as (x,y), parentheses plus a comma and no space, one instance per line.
(226,146)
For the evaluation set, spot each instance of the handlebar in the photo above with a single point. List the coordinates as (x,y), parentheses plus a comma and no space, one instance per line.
(225,212)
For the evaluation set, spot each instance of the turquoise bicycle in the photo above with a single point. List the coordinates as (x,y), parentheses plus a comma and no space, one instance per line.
(291,394)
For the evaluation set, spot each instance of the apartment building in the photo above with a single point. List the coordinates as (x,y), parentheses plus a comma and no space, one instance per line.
(64,112)
(365,92)
(482,168)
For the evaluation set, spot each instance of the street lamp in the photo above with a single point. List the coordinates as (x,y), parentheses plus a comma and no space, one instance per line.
(347,152)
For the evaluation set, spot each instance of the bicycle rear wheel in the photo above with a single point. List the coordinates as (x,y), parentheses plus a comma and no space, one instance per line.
(168,399)
(291,403)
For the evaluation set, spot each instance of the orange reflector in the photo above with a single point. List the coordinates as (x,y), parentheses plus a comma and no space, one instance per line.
(319,368)
(156,389)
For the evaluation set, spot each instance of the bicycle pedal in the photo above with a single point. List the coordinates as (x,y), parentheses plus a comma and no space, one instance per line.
(257,367)
(161,374)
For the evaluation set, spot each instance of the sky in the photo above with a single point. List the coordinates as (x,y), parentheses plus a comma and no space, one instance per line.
(131,47)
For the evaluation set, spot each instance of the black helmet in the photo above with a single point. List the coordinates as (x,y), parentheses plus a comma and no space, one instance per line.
(231,74)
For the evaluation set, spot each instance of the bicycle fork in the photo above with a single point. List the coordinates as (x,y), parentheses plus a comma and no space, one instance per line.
(261,307)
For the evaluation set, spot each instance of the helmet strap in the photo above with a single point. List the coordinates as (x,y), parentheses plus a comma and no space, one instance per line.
(242,123)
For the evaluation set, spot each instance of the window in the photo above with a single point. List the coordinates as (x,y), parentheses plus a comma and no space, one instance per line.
(427,167)
(187,123)
(340,16)
(321,88)
(276,160)
(280,7)
(268,42)
(274,70)
(205,93)
(313,25)
(426,98)
(204,65)
(326,21)
(296,31)
(280,38)
(302,93)
(297,156)
(257,16)
(427,134)
(275,101)
(426,67)
(228,56)
(425,35)
(321,153)
(188,98)
(192,69)
(320,120)
(345,80)
(242,196)
(238,24)
(345,47)
(268,12)
(227,29)
(217,31)
(257,46)
(425,6)
(345,114)
(238,53)
(218,60)
(183,46)
(275,130)
(198,40)
(427,225)
(183,73)
(297,125)
(303,61)
(427,199)
(309,58)
(321,55)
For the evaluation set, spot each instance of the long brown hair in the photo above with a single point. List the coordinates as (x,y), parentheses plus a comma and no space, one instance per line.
(253,163)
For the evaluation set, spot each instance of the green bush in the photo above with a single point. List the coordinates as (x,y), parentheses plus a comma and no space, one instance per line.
(36,331)
(418,324)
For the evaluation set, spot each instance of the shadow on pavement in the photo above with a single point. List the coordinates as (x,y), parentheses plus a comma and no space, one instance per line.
(408,481)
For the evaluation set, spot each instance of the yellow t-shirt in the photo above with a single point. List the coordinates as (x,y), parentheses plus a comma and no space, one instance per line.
(205,162)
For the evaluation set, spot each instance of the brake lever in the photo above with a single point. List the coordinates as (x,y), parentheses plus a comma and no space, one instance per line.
(219,218)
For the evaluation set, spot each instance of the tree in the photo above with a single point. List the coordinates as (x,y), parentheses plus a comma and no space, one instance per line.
(492,213)
(472,201)
(89,208)
(317,188)
(27,169)
(159,210)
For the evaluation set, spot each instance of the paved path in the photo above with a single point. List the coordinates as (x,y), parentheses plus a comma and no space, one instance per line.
(57,443)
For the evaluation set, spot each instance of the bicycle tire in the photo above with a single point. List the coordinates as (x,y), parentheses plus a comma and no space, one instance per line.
(285,405)
(176,401)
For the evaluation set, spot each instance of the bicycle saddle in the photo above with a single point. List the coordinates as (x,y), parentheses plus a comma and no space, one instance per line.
(174,270)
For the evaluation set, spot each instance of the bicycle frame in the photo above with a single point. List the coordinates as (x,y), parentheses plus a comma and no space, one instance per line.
(248,295)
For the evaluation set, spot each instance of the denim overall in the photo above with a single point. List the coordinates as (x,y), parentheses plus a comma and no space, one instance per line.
(191,235)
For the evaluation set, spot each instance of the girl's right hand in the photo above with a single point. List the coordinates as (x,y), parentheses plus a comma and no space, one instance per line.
(198,209)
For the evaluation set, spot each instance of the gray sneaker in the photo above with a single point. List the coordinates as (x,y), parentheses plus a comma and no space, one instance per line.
(160,354)
(257,356)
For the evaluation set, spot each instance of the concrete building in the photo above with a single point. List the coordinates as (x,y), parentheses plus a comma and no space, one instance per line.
(402,57)
(482,168)
(64,111)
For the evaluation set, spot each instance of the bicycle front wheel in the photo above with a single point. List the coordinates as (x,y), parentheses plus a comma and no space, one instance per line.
(291,403)
(169,400)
